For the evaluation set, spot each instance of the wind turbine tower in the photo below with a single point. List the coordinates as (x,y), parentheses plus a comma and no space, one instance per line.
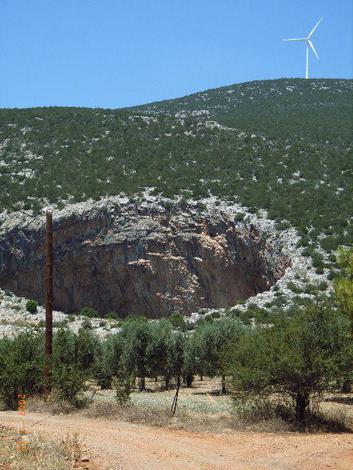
(309,45)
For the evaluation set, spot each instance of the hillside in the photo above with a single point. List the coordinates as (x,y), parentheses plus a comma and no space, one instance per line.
(193,277)
(282,145)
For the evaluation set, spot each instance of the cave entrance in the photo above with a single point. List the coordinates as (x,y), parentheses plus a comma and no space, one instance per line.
(150,264)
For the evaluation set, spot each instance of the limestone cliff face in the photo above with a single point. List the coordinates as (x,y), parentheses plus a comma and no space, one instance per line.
(146,259)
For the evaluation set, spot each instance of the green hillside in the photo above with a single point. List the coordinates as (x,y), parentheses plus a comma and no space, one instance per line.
(282,145)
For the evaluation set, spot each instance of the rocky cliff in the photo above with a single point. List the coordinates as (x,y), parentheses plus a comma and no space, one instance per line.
(150,258)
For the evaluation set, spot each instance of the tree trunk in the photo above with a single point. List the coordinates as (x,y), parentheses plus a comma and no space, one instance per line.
(301,404)
(167,380)
(175,400)
(346,386)
(189,379)
(223,385)
(142,384)
(201,377)
(106,384)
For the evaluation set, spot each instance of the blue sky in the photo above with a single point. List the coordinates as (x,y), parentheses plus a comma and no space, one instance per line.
(115,53)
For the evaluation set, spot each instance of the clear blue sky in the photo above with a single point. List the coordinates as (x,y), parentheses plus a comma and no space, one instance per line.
(114,53)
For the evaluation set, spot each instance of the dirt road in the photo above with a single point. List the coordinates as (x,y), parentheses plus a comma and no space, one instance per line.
(121,445)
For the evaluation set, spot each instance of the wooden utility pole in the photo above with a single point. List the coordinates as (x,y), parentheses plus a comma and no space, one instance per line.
(48,284)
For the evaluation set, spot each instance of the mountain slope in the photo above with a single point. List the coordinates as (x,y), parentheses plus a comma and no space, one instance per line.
(282,145)
(278,107)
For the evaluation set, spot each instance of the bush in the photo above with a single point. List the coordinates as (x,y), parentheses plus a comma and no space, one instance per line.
(31,306)
(317,260)
(293,287)
(86,324)
(323,285)
(86,347)
(21,367)
(344,283)
(113,316)
(88,312)
(239,217)
(67,377)
(177,320)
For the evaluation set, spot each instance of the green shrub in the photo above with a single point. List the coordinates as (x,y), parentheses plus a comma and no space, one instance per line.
(31,306)
(239,217)
(283,225)
(177,320)
(88,312)
(86,324)
(215,314)
(311,289)
(245,316)
(323,285)
(307,251)
(113,316)
(317,260)
(293,287)
(21,367)
(67,376)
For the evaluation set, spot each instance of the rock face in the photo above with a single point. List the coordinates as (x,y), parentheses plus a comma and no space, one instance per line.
(149,259)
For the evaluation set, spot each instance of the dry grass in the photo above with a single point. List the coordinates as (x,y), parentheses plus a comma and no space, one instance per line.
(202,408)
(50,405)
(199,407)
(187,419)
(36,452)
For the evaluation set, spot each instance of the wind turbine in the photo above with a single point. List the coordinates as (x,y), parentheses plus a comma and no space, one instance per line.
(309,44)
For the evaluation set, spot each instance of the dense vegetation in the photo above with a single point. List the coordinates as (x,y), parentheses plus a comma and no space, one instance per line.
(283,145)
(298,357)
(344,283)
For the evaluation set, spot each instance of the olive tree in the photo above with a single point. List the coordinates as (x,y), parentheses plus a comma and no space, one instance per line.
(136,337)
(212,340)
(344,284)
(21,366)
(107,360)
(344,298)
(68,375)
(159,353)
(297,358)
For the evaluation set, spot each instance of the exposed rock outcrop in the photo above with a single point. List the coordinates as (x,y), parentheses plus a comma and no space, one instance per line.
(150,258)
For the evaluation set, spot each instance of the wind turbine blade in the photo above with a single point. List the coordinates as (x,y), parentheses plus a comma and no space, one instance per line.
(295,39)
(314,28)
(313,48)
